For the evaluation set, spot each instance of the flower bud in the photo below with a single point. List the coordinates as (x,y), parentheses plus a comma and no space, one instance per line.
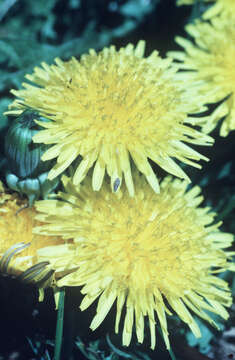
(27,173)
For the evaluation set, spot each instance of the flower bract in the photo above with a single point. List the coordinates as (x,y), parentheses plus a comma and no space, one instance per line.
(111,110)
(152,255)
(210,61)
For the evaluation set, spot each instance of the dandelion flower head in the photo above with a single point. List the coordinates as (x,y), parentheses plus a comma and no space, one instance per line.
(210,60)
(112,106)
(151,254)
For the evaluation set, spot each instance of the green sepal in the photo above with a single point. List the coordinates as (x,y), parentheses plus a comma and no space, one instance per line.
(46,185)
(34,189)
(31,188)
(12,181)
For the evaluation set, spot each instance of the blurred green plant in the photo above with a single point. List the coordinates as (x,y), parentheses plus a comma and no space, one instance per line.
(93,351)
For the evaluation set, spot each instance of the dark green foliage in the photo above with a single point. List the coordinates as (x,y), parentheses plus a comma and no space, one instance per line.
(35,31)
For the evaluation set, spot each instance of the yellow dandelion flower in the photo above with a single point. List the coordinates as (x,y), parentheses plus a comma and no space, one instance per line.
(150,253)
(224,7)
(23,253)
(111,106)
(210,61)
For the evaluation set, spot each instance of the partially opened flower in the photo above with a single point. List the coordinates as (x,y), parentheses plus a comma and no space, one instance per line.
(224,7)
(23,253)
(111,106)
(210,61)
(151,254)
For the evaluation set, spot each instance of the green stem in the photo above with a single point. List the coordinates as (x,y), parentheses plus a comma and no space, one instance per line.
(59,325)
(172,354)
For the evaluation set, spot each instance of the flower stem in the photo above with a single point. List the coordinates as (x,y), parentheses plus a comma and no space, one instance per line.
(59,325)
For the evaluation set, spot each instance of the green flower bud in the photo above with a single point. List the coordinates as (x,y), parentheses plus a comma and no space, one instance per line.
(24,157)
(27,173)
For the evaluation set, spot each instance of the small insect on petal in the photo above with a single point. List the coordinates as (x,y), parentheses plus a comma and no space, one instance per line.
(116,185)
